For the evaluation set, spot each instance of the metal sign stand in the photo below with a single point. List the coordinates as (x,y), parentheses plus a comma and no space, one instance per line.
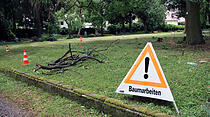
(176,107)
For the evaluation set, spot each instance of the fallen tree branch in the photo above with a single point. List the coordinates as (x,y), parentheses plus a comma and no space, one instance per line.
(114,42)
(59,65)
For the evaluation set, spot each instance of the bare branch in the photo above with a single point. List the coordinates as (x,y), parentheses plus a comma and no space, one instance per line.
(116,41)
(70,50)
(72,60)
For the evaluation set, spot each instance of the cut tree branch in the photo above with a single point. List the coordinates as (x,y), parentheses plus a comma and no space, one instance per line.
(66,61)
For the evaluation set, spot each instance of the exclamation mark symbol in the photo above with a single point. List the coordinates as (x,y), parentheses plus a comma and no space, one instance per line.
(146,67)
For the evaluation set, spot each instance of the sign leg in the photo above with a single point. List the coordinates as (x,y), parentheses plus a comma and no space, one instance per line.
(114,94)
(176,107)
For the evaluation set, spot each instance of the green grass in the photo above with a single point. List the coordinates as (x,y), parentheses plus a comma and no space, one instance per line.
(42,103)
(187,83)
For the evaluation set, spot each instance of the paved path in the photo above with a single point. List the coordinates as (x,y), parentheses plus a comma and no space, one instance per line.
(10,109)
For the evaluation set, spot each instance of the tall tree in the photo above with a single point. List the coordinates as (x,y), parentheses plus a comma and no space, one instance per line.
(48,16)
(8,10)
(121,12)
(151,13)
(96,14)
(190,9)
(71,12)
(205,13)
(72,19)
(36,9)
(193,32)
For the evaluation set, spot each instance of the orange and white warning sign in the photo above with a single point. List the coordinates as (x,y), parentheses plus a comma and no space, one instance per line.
(146,77)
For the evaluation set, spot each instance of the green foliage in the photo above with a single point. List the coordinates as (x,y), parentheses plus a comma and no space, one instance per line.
(5,32)
(72,18)
(10,36)
(43,14)
(137,27)
(151,13)
(181,6)
(116,28)
(51,27)
(171,27)
(47,37)
(118,11)
(44,37)
(95,13)
(6,26)
(177,4)
(63,31)
(204,13)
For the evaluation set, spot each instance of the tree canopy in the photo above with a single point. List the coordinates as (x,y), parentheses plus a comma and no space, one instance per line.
(41,16)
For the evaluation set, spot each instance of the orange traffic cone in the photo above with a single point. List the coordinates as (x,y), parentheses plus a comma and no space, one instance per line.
(25,59)
(80,38)
(7,49)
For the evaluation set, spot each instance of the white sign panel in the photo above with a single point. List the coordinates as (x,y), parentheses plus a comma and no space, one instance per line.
(146,77)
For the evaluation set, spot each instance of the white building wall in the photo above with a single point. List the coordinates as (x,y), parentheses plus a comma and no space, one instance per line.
(62,24)
(88,25)
(174,22)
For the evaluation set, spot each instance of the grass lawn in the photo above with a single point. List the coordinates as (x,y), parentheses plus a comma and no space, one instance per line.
(187,83)
(40,103)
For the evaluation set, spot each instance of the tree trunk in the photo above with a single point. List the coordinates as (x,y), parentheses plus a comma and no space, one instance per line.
(209,18)
(186,21)
(123,27)
(14,24)
(208,11)
(78,34)
(69,28)
(205,17)
(38,25)
(102,29)
(130,22)
(96,32)
(185,27)
(193,33)
(145,26)
(69,31)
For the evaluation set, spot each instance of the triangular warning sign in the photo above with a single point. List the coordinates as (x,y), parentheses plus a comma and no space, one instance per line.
(146,77)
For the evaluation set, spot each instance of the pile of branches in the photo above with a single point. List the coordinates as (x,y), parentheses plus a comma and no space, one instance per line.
(60,65)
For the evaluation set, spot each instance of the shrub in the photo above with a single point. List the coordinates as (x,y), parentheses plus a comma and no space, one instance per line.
(35,38)
(11,36)
(63,31)
(117,28)
(44,37)
(25,33)
(51,27)
(114,28)
(47,37)
(137,27)
(87,30)
(171,27)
